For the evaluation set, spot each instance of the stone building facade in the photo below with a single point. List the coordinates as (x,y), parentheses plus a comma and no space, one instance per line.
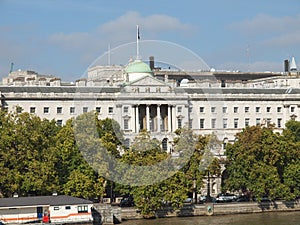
(139,98)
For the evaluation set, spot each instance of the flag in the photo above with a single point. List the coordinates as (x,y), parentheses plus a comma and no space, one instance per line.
(138,33)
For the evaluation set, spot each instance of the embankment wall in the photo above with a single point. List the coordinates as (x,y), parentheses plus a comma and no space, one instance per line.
(217,209)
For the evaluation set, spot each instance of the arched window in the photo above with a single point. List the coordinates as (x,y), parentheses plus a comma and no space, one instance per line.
(214,188)
(165,144)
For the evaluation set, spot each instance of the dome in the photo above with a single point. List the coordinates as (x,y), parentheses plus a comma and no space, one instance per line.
(138,66)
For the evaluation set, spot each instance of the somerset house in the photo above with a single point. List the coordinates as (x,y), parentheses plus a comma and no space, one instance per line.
(141,96)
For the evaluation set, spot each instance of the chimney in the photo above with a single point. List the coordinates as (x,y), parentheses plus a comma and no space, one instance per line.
(151,62)
(286,65)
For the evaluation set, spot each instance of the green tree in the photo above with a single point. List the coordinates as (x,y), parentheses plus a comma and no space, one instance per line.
(159,187)
(176,185)
(291,165)
(292,180)
(26,140)
(256,163)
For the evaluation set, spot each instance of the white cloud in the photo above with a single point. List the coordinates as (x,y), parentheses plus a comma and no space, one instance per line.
(116,32)
(269,31)
(258,66)
(266,24)
(70,40)
(286,39)
(153,23)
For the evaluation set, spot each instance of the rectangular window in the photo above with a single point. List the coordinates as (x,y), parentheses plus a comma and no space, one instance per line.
(236,123)
(268,109)
(59,110)
(224,123)
(46,110)
(257,121)
(257,109)
(179,123)
(247,121)
(201,109)
(68,207)
(190,123)
(19,109)
(201,123)
(72,110)
(213,109)
(224,109)
(59,122)
(213,123)
(279,109)
(125,109)
(235,109)
(292,109)
(110,110)
(85,109)
(82,209)
(190,109)
(246,109)
(98,109)
(126,124)
(279,122)
(32,109)
(179,109)
(56,208)
(268,121)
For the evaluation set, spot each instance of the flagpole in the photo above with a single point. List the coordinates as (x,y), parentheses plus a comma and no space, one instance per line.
(137,42)
(108,55)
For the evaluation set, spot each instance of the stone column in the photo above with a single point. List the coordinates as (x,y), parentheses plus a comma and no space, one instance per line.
(137,121)
(169,118)
(158,119)
(174,119)
(147,118)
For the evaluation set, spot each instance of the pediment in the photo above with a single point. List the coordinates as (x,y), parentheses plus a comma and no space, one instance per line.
(147,81)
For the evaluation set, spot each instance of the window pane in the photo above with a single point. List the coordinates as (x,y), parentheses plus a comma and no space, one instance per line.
(98,109)
(201,123)
(46,109)
(213,123)
(59,110)
(85,109)
(126,127)
(72,110)
(32,109)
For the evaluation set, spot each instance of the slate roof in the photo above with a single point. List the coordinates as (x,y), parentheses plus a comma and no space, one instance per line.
(241,91)
(42,200)
(60,89)
(73,89)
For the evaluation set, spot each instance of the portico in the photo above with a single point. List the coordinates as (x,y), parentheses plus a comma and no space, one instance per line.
(153,117)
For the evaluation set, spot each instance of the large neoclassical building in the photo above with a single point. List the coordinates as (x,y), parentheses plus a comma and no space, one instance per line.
(140,96)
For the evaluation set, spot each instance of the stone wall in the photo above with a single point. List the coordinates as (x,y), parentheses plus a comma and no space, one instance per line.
(256,207)
(217,209)
(106,214)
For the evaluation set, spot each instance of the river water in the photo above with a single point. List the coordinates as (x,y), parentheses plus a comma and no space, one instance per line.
(274,218)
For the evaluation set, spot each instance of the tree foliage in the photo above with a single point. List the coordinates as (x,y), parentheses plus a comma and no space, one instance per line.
(173,189)
(38,157)
(263,163)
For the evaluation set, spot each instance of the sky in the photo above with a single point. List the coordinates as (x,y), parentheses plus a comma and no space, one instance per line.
(65,37)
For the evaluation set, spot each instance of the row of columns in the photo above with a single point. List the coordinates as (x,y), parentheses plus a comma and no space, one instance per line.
(170,116)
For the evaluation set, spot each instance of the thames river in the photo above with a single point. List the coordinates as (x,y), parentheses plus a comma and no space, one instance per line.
(274,218)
